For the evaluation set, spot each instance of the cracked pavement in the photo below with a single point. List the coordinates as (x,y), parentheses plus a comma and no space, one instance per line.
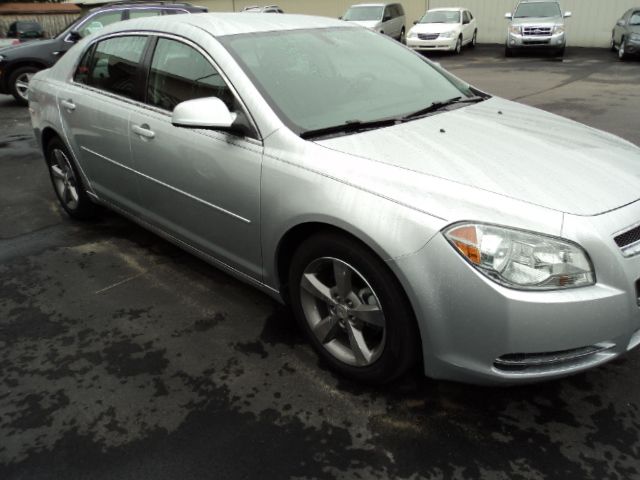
(122,356)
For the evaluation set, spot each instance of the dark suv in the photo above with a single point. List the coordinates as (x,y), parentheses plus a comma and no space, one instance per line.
(18,63)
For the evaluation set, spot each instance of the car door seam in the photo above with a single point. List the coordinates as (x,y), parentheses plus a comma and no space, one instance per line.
(170,187)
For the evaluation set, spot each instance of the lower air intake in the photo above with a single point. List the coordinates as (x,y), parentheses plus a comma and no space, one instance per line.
(522,362)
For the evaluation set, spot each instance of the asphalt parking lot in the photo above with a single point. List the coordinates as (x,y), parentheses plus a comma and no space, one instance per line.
(122,356)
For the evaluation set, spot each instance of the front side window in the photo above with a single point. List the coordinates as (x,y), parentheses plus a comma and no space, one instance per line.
(441,16)
(99,21)
(179,73)
(112,65)
(467,19)
(321,78)
(363,14)
(538,9)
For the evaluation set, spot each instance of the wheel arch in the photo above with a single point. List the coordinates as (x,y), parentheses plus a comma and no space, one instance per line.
(27,62)
(298,233)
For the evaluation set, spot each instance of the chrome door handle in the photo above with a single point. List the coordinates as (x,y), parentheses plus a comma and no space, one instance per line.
(143,131)
(68,104)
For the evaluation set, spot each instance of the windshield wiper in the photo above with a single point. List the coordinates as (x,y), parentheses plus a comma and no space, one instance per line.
(435,106)
(351,126)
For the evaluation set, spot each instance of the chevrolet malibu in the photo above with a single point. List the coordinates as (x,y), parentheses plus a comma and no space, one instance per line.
(405,215)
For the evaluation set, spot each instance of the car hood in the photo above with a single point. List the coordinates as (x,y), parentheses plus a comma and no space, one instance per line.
(538,21)
(512,150)
(434,27)
(365,23)
(26,49)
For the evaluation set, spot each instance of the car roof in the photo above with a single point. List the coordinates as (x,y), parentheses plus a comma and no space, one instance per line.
(452,9)
(219,24)
(122,5)
(372,4)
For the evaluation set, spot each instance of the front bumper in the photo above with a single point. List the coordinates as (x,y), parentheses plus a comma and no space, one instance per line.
(531,41)
(442,44)
(3,79)
(632,47)
(476,331)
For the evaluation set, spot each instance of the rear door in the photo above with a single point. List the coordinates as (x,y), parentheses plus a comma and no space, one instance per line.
(95,112)
(203,186)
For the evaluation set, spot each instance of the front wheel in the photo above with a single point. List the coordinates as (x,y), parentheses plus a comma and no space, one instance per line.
(19,83)
(508,52)
(403,37)
(67,182)
(612,46)
(474,40)
(352,309)
(458,47)
(622,53)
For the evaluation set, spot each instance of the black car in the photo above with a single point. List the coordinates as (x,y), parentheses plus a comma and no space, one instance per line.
(25,30)
(18,63)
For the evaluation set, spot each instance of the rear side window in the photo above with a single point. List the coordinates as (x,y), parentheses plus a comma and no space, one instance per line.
(179,73)
(144,12)
(635,18)
(99,21)
(112,65)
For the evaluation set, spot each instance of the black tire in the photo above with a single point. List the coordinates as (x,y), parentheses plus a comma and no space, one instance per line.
(613,43)
(16,90)
(458,48)
(81,208)
(560,52)
(399,348)
(508,52)
(474,39)
(622,52)
(402,38)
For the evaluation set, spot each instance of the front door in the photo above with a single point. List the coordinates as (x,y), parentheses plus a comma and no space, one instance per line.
(203,186)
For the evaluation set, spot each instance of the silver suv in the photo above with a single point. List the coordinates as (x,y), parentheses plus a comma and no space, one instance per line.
(536,24)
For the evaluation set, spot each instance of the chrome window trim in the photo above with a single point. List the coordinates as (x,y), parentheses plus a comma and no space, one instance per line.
(195,46)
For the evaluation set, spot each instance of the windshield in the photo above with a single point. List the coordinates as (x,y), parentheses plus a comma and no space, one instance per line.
(538,9)
(363,14)
(441,17)
(65,30)
(319,78)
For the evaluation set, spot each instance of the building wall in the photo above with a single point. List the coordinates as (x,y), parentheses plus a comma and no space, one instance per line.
(52,24)
(590,25)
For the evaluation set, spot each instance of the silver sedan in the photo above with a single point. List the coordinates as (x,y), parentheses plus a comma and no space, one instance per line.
(403,214)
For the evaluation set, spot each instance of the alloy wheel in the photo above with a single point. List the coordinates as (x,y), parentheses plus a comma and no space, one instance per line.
(22,84)
(64,179)
(343,311)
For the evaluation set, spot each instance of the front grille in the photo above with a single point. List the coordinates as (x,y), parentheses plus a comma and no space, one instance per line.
(428,36)
(546,361)
(629,241)
(628,237)
(535,42)
(536,31)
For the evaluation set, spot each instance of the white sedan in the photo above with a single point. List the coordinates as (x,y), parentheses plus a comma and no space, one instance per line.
(446,29)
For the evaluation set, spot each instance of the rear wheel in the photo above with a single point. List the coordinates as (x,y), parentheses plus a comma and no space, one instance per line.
(612,46)
(67,182)
(19,83)
(352,309)
(474,40)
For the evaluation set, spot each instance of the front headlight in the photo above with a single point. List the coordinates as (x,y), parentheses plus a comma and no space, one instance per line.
(515,29)
(635,37)
(450,34)
(412,34)
(558,29)
(520,259)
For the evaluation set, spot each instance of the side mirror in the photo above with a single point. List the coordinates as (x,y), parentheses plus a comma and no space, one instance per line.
(620,23)
(386,18)
(209,112)
(508,16)
(567,14)
(74,36)
(415,22)
(466,22)
(339,18)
